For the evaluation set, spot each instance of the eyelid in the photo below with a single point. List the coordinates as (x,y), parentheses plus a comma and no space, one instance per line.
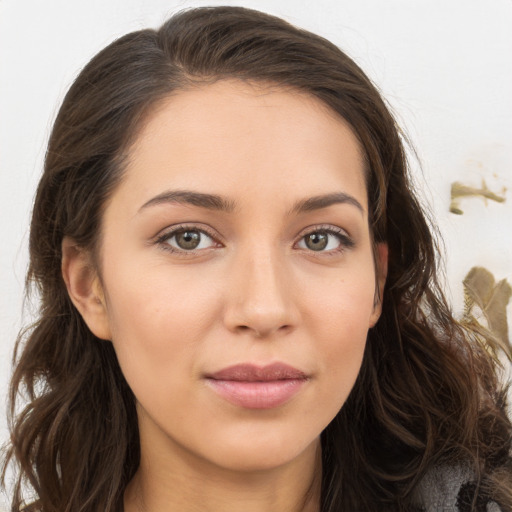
(171,231)
(346,241)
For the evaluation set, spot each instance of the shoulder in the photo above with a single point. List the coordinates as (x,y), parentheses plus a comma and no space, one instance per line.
(452,489)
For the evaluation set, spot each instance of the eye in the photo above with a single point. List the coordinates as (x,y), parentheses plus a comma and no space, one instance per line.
(325,240)
(187,239)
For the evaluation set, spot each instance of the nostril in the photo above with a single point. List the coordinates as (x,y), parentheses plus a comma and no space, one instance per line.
(285,328)
(264,332)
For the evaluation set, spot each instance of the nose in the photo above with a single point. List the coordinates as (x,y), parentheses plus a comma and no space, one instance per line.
(261,301)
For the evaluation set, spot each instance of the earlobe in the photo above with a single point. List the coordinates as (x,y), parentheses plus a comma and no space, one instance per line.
(381,269)
(84,288)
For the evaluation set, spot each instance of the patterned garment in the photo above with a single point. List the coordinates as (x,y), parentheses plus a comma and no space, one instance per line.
(449,489)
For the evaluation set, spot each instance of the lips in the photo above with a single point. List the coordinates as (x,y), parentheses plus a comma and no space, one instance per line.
(256,387)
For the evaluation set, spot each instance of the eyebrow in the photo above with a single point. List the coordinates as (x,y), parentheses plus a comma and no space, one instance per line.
(209,201)
(219,203)
(324,201)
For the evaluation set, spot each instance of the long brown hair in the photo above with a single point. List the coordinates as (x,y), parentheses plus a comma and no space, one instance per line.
(428,392)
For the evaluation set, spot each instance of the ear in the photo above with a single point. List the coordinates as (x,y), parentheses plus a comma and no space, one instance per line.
(381,269)
(84,288)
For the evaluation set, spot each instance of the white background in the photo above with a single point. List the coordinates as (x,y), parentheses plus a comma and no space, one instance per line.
(445,66)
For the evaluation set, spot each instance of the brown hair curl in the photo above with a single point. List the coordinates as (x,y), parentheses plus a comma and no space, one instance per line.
(427,393)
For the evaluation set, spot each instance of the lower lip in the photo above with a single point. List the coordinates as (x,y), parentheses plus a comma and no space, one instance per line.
(257,395)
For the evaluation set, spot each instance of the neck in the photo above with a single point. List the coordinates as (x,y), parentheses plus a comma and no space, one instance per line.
(186,484)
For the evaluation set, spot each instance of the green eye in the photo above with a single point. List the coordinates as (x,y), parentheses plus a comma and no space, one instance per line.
(188,240)
(316,241)
(325,240)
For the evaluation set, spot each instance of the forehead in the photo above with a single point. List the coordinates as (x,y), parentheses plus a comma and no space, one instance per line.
(233,136)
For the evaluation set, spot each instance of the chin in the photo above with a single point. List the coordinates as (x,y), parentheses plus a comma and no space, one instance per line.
(262,452)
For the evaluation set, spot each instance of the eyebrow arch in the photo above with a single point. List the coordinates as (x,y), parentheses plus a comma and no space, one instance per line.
(209,201)
(325,200)
(216,202)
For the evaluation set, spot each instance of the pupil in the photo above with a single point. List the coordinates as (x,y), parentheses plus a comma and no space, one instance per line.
(188,239)
(316,241)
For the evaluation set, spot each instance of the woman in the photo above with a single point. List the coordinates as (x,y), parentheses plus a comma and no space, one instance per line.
(240,307)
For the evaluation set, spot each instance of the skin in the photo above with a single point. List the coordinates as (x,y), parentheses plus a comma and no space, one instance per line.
(252,292)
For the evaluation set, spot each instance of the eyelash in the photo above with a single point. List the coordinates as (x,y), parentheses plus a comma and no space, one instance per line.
(345,242)
(162,240)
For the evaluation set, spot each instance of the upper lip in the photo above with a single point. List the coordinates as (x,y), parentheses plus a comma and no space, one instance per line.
(253,373)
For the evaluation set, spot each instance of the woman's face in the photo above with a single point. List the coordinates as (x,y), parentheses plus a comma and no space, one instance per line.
(237,275)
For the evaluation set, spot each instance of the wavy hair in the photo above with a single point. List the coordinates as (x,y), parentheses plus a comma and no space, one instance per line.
(428,391)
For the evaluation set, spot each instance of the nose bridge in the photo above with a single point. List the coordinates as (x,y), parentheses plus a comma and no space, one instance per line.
(261,300)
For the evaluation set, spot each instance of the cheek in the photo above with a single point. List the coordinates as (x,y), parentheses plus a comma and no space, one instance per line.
(338,321)
(341,305)
(158,321)
(159,298)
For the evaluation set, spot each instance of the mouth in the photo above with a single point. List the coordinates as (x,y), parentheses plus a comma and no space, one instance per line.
(255,387)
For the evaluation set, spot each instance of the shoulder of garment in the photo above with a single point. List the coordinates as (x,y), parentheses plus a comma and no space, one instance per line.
(452,489)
